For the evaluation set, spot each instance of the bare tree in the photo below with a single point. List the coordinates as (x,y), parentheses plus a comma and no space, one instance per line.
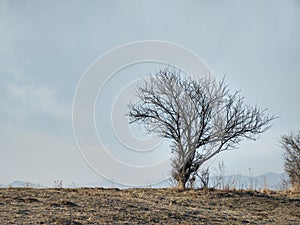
(291,145)
(200,118)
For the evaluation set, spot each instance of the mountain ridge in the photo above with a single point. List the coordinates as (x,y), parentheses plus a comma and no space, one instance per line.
(269,180)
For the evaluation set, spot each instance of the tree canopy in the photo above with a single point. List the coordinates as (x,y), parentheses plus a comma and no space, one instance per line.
(200,117)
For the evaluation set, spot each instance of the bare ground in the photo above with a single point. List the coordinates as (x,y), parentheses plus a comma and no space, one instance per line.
(146,206)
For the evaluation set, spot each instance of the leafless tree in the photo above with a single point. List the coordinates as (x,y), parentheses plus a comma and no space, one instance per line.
(291,145)
(199,117)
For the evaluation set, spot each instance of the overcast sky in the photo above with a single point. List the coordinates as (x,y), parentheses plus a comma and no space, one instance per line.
(45,47)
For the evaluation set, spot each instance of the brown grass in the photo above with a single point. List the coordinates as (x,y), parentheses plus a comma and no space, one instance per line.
(146,206)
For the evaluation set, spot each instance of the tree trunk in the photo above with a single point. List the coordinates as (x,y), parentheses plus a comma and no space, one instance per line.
(181,183)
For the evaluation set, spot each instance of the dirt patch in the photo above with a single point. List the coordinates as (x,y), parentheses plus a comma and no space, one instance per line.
(145,206)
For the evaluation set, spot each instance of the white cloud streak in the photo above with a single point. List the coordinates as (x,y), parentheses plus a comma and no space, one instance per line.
(33,98)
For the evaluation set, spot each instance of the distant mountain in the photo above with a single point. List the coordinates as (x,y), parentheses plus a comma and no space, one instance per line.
(273,180)
(21,184)
(269,180)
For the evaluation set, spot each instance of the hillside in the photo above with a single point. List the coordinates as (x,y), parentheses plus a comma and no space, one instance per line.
(144,206)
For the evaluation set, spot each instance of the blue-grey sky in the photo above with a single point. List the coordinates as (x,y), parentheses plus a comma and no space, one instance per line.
(45,47)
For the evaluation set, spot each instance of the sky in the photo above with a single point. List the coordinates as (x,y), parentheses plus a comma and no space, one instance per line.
(47,46)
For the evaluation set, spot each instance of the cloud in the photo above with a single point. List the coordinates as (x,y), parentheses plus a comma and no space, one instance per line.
(25,102)
(36,98)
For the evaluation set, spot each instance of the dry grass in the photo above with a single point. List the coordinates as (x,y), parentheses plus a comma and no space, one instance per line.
(146,206)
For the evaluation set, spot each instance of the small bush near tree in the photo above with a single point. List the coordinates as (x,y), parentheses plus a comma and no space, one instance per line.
(291,145)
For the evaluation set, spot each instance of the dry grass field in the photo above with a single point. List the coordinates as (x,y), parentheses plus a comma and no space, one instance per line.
(146,206)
